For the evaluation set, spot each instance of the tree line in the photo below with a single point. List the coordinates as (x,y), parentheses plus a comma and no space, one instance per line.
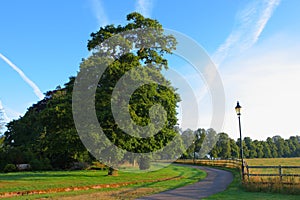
(226,147)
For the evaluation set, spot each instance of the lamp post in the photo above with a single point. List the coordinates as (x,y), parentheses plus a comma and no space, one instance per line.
(238,112)
(194,157)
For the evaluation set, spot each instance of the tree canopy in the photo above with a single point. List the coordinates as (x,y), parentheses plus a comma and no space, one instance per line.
(136,113)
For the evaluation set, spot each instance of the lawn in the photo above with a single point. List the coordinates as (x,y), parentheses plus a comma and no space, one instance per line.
(141,183)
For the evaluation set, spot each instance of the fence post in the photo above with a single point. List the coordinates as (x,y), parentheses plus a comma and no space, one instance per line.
(280,173)
(248,173)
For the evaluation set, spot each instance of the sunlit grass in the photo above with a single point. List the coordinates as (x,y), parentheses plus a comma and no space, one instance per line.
(286,184)
(153,180)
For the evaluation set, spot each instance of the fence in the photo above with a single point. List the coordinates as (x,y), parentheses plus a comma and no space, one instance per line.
(236,163)
(279,173)
(229,163)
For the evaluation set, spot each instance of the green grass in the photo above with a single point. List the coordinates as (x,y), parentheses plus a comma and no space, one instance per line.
(26,181)
(288,184)
(236,191)
(274,162)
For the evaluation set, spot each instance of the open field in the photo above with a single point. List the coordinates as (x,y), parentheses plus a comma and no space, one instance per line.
(284,184)
(274,162)
(136,184)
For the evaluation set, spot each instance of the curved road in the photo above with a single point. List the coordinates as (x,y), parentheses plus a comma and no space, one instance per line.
(216,181)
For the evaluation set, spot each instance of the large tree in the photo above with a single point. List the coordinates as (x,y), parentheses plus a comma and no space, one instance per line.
(136,51)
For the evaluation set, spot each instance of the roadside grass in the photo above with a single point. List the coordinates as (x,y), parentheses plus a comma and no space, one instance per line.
(28,181)
(236,191)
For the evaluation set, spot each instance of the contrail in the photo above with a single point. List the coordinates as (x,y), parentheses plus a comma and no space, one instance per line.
(35,88)
(99,12)
(250,23)
(144,7)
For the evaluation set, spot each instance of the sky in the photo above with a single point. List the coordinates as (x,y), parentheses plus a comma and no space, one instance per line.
(254,45)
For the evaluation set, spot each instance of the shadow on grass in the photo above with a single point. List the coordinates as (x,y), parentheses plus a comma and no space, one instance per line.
(48,174)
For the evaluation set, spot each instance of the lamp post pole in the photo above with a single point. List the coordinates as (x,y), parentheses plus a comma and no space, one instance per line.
(194,157)
(238,112)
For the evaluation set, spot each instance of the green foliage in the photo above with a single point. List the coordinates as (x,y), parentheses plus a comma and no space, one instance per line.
(38,165)
(140,55)
(46,134)
(47,130)
(226,147)
(222,149)
(10,168)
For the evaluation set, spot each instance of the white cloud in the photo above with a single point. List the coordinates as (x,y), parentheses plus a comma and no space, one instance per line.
(144,7)
(266,81)
(99,12)
(250,23)
(35,88)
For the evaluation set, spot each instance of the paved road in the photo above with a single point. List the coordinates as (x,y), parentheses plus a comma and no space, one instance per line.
(216,181)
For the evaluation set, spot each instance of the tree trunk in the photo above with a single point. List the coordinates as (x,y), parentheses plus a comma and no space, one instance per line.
(112,172)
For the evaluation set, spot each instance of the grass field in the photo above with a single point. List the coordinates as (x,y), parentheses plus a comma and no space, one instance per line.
(274,162)
(288,184)
(145,183)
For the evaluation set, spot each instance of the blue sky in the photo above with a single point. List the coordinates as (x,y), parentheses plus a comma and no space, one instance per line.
(255,45)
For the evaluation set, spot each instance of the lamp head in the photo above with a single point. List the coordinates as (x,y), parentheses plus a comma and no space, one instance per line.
(238,109)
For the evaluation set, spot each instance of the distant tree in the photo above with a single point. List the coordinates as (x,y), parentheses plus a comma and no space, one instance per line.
(222,148)
(279,143)
(244,146)
(209,143)
(234,148)
(200,134)
(272,147)
(188,137)
(294,146)
(266,150)
(259,148)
